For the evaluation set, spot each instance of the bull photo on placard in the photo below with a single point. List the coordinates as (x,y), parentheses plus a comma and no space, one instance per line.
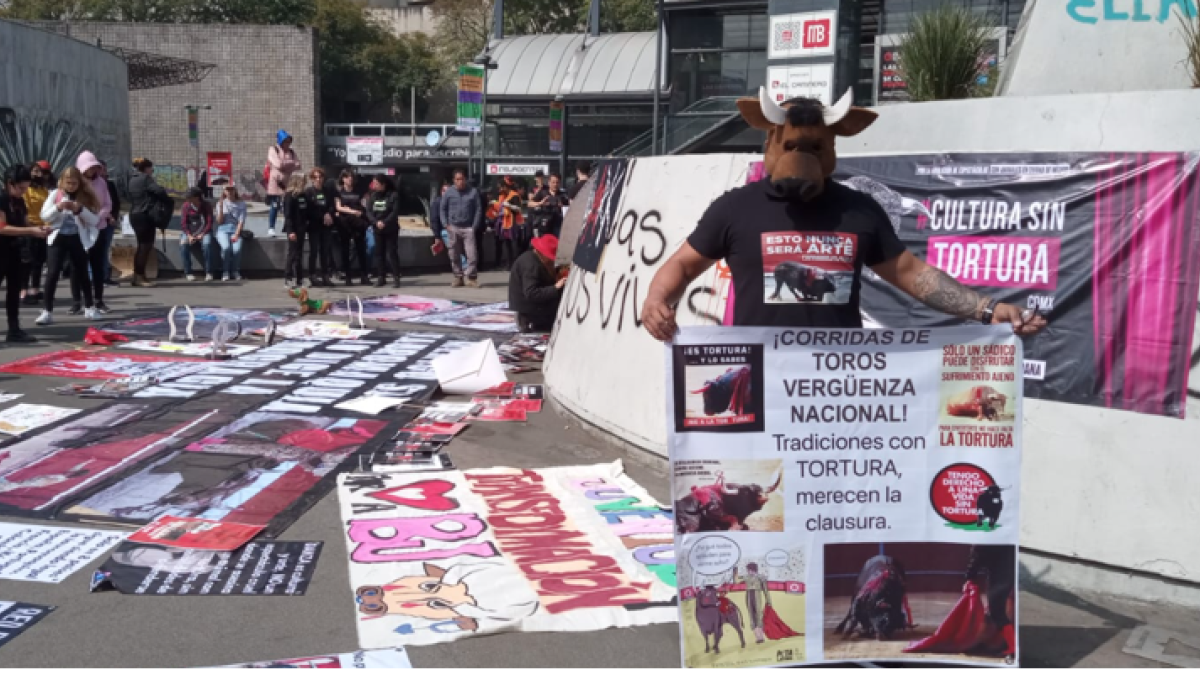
(718,388)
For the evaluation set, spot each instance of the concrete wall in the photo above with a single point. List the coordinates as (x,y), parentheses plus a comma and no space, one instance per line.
(265,78)
(1086,46)
(72,95)
(1098,485)
(404,20)
(602,366)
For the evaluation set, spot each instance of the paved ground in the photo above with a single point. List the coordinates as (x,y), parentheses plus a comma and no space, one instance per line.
(113,630)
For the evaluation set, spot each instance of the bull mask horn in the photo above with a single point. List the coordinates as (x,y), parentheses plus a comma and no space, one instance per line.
(834,114)
(775,113)
(771,109)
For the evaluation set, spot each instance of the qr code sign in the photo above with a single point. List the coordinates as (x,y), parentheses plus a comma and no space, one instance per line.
(801,35)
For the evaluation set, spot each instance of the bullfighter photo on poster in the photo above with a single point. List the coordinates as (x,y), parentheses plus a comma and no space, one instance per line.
(721,388)
(868,515)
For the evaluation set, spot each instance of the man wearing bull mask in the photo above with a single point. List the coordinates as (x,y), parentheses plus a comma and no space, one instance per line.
(777,235)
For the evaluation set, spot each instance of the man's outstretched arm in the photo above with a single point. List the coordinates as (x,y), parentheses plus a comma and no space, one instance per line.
(667,287)
(942,292)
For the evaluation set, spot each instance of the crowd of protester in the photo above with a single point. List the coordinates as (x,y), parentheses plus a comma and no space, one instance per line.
(53,228)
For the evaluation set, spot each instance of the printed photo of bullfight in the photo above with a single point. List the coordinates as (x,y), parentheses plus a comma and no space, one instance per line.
(985,403)
(750,615)
(808,267)
(729,495)
(922,600)
(719,395)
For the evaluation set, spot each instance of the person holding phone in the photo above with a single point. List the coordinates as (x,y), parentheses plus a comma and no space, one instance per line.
(70,211)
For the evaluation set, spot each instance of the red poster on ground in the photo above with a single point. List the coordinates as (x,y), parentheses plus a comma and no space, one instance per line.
(100,365)
(211,535)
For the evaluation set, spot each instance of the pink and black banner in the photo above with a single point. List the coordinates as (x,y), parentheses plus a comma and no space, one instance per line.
(1106,246)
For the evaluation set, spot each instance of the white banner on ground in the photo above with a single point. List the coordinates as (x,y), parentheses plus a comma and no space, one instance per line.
(836,487)
(49,554)
(375,658)
(435,557)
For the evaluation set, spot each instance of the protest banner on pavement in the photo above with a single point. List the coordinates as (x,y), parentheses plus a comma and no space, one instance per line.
(835,487)
(435,557)
(49,554)
(15,617)
(258,568)
(372,658)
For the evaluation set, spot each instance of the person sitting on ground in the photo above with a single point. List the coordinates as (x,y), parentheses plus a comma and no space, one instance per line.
(196,223)
(533,291)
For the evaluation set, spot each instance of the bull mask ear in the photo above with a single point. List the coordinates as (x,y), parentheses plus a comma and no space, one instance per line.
(846,120)
(761,113)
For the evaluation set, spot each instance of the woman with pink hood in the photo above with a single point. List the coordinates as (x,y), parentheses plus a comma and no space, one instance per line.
(96,176)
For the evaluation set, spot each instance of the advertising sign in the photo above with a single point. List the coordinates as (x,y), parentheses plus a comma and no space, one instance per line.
(811,81)
(845,494)
(801,35)
(364,151)
(516,169)
(220,168)
(470,98)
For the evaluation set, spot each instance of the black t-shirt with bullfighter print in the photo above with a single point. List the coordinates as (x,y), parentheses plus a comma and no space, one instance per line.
(796,263)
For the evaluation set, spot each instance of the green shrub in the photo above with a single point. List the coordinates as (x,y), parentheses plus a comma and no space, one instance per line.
(1191,42)
(941,57)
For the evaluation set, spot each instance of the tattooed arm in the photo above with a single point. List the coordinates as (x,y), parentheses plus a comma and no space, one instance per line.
(942,292)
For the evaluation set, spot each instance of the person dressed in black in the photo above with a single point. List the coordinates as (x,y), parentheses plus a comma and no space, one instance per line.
(323,196)
(352,227)
(547,205)
(13,231)
(582,171)
(533,292)
(151,208)
(297,217)
(383,209)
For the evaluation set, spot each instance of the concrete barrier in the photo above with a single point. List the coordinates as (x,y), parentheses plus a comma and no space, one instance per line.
(1099,485)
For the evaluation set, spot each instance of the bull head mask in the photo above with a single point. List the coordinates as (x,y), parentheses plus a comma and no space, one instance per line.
(800,153)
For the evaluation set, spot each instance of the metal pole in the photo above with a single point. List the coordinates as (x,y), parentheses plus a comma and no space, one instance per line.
(563,150)
(483,130)
(413,119)
(657,75)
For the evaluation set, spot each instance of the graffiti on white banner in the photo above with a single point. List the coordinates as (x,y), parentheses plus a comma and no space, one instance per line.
(50,554)
(16,617)
(871,472)
(435,557)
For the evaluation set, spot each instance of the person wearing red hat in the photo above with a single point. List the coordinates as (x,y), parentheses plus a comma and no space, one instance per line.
(533,290)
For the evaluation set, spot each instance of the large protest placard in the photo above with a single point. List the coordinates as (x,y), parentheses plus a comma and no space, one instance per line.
(435,557)
(834,488)
(1105,245)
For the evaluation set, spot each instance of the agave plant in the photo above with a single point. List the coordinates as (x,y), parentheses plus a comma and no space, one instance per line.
(941,56)
(1191,42)
(25,140)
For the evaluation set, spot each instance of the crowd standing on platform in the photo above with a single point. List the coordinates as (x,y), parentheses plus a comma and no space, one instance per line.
(54,228)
